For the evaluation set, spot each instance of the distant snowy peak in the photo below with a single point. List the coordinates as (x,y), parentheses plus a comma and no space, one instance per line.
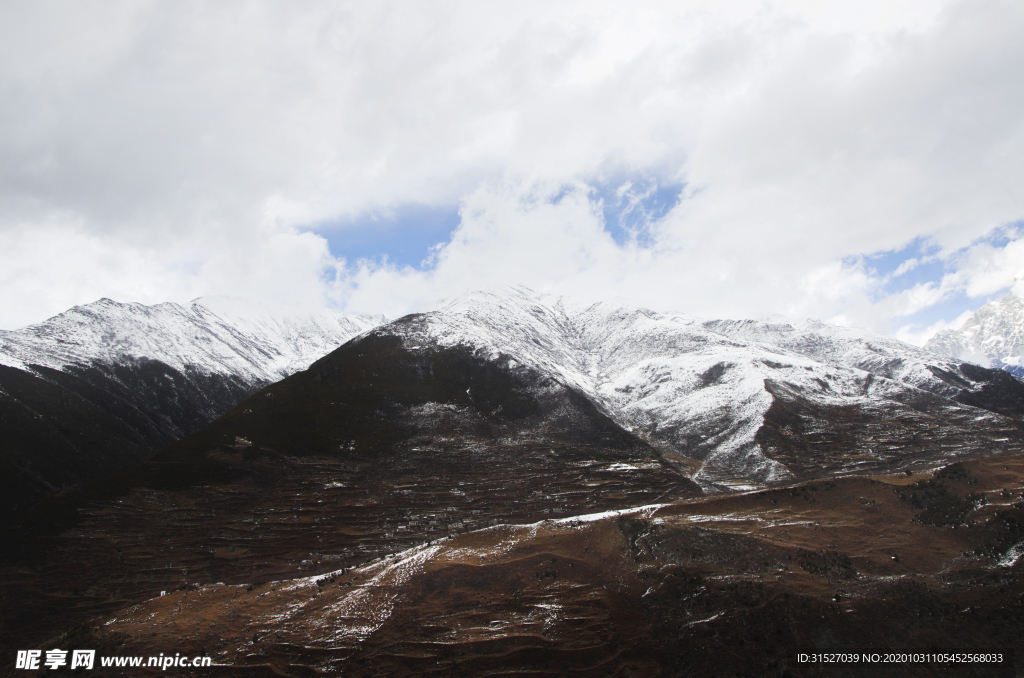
(993,336)
(216,335)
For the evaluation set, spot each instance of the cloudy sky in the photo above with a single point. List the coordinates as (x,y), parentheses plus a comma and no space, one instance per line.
(853,161)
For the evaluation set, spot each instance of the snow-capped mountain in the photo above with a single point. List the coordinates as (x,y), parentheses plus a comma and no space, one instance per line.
(102,386)
(701,391)
(258,343)
(730,404)
(993,336)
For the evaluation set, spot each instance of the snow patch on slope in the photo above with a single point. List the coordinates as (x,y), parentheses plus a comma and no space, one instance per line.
(359,613)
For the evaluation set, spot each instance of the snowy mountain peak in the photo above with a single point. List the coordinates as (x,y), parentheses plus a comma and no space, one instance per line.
(993,336)
(102,386)
(217,335)
(699,391)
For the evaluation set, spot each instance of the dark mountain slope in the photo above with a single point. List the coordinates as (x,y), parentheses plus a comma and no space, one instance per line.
(994,390)
(912,430)
(61,427)
(373,395)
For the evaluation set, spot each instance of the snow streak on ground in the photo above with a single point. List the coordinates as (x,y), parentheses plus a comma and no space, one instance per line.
(366,608)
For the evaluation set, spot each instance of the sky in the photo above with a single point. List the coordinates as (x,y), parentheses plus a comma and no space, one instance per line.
(857,162)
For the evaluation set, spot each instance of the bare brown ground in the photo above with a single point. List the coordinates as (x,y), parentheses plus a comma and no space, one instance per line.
(304,516)
(727,586)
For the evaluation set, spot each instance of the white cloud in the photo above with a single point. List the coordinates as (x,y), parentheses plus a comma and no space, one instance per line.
(906,266)
(184,147)
(54,264)
(509,232)
(985,269)
(913,334)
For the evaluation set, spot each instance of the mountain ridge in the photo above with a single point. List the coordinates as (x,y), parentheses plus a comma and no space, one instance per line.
(696,389)
(708,394)
(100,387)
(214,334)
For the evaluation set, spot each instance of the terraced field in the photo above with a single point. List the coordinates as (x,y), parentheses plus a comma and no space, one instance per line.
(308,515)
(722,586)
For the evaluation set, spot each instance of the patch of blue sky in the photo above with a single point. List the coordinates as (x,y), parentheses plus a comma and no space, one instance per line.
(919,263)
(949,309)
(632,204)
(1001,237)
(404,235)
(916,263)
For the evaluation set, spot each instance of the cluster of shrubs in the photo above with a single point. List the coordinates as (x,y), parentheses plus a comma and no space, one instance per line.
(938,503)
(830,564)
